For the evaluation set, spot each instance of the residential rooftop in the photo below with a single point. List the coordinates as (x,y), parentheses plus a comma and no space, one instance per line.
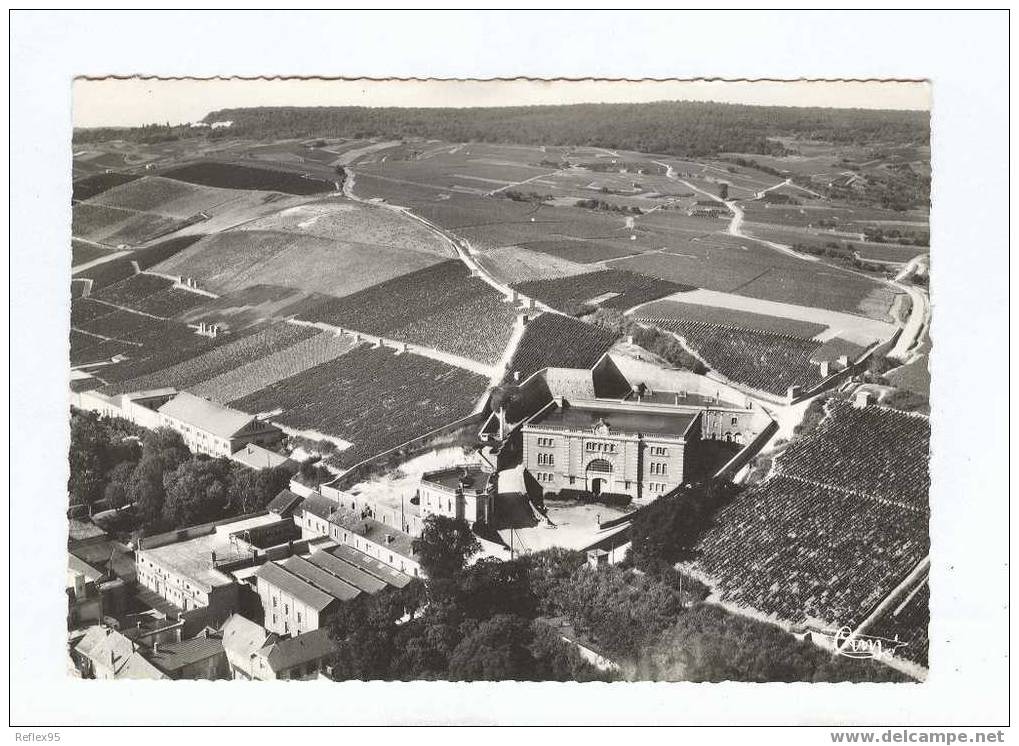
(257,457)
(391,538)
(297,651)
(347,572)
(315,576)
(286,581)
(372,566)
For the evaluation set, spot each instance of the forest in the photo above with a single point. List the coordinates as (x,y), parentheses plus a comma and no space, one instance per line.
(682,128)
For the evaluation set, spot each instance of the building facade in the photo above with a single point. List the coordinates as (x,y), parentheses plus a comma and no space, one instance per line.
(605,446)
(466,493)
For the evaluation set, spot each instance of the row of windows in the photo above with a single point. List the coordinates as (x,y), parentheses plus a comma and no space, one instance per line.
(546,459)
(656,486)
(546,442)
(659,469)
(659,451)
(544,476)
(601,447)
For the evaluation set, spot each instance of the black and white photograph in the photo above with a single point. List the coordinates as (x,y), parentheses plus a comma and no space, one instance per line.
(451,381)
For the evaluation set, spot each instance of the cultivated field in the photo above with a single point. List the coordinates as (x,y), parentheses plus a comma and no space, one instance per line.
(760,360)
(398,397)
(695,312)
(236,176)
(608,288)
(234,260)
(552,340)
(441,307)
(841,522)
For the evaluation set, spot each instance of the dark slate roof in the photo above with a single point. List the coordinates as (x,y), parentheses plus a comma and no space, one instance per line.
(347,572)
(297,651)
(173,656)
(370,565)
(318,505)
(471,476)
(319,578)
(285,503)
(287,582)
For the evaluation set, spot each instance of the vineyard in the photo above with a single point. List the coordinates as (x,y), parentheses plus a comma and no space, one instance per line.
(585,252)
(234,176)
(730,317)
(608,288)
(806,552)
(235,259)
(840,523)
(760,360)
(440,307)
(151,294)
(167,197)
(122,267)
(113,226)
(187,375)
(552,340)
(872,451)
(372,397)
(90,186)
(908,622)
(82,252)
(278,362)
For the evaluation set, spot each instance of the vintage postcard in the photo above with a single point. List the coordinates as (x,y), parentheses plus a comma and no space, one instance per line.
(588,392)
(454,400)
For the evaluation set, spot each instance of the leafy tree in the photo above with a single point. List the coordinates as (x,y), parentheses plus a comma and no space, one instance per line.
(145,489)
(196,492)
(89,459)
(117,488)
(498,649)
(445,546)
(168,445)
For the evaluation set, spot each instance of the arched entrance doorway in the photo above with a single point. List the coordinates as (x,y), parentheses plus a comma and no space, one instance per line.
(598,473)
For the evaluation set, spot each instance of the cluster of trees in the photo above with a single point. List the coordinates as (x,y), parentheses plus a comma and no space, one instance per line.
(684,128)
(521,196)
(881,234)
(116,465)
(598,204)
(469,622)
(489,620)
(651,339)
(845,253)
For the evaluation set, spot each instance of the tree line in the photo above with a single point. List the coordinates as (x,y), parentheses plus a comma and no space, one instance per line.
(685,128)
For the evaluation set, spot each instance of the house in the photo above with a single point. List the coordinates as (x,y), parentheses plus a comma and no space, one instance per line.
(284,504)
(104,653)
(211,428)
(200,657)
(296,658)
(242,639)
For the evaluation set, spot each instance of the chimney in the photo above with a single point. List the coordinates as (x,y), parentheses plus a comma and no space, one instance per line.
(516,376)
(825,368)
(862,399)
(155,648)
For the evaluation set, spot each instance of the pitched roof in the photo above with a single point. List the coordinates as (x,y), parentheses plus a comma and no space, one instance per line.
(206,415)
(326,581)
(257,457)
(372,566)
(242,637)
(287,582)
(173,656)
(347,572)
(110,650)
(296,651)
(385,536)
(318,505)
(285,503)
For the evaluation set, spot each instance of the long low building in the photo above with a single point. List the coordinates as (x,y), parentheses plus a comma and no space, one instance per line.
(211,428)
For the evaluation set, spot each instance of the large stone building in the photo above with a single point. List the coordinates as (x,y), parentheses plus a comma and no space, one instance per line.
(605,446)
